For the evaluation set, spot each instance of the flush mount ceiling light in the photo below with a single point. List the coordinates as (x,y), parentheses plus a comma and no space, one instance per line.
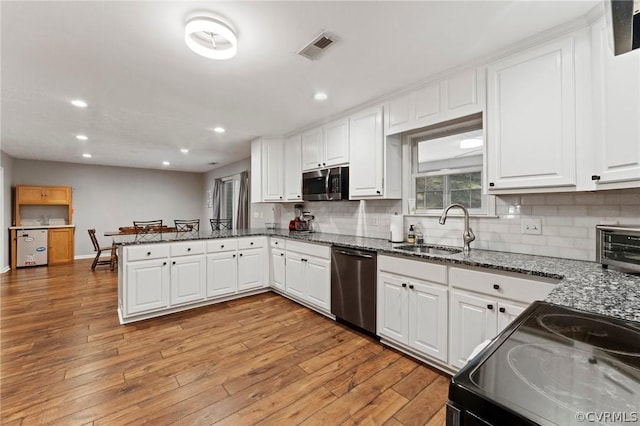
(210,38)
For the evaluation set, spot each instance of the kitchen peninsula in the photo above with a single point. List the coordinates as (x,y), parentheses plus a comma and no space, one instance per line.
(170,272)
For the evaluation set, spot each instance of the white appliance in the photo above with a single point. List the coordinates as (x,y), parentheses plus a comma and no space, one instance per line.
(32,247)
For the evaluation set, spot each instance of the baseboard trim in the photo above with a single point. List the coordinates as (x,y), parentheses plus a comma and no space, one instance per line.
(84,256)
(5,269)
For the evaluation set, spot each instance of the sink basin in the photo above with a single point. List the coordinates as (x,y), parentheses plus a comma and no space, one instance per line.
(443,251)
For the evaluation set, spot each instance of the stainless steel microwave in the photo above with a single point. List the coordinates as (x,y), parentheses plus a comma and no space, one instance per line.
(326,184)
(619,246)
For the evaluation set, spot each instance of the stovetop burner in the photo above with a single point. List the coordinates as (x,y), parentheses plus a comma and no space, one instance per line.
(597,332)
(551,364)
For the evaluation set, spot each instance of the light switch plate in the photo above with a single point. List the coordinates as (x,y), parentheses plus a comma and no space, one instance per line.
(531,226)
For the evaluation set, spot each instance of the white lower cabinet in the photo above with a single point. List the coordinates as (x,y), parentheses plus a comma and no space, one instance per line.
(188,279)
(308,274)
(147,286)
(278,274)
(251,271)
(483,304)
(222,273)
(412,311)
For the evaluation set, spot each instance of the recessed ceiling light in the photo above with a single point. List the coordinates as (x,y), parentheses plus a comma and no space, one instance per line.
(184,151)
(86,155)
(79,103)
(165,163)
(82,137)
(320,96)
(210,38)
(219,129)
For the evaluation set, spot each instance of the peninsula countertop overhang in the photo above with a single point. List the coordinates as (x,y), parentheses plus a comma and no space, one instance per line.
(582,285)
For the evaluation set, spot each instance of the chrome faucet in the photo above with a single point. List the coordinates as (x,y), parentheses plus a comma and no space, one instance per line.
(467,235)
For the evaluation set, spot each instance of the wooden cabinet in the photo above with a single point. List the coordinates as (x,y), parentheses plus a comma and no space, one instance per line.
(484,303)
(308,274)
(531,117)
(293,169)
(326,146)
(616,83)
(411,310)
(455,96)
(61,245)
(44,196)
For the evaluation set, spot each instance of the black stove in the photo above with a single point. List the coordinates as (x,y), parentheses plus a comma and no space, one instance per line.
(552,366)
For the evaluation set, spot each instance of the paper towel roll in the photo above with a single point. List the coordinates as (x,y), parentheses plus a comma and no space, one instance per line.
(396,229)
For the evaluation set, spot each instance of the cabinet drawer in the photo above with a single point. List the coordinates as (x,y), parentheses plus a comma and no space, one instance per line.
(309,249)
(222,244)
(187,248)
(413,268)
(278,243)
(251,242)
(501,285)
(151,251)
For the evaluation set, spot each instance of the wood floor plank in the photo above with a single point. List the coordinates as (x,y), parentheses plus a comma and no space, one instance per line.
(65,359)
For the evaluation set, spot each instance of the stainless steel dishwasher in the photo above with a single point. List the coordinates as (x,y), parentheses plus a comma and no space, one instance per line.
(353,287)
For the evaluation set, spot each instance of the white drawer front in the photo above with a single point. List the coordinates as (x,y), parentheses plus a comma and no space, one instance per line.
(420,269)
(504,286)
(187,248)
(280,243)
(148,251)
(317,250)
(222,244)
(251,242)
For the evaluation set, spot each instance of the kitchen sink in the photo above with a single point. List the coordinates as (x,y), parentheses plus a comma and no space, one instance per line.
(443,251)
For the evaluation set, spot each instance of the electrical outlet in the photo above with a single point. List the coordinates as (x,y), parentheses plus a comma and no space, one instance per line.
(531,226)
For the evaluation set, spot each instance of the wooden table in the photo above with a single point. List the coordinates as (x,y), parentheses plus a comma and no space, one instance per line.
(130,230)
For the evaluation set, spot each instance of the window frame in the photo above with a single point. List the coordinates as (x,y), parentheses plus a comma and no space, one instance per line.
(448,128)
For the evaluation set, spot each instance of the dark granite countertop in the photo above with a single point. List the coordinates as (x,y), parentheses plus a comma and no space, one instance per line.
(583,285)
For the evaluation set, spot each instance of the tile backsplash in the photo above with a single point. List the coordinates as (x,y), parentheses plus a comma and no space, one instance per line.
(568,221)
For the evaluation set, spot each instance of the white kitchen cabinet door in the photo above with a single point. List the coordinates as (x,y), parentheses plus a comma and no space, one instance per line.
(293,169)
(278,273)
(617,111)
(335,138)
(272,170)
(426,104)
(147,286)
(507,312)
(188,279)
(317,278)
(393,312)
(461,93)
(251,269)
(367,148)
(531,118)
(294,275)
(428,313)
(398,114)
(312,149)
(473,320)
(222,274)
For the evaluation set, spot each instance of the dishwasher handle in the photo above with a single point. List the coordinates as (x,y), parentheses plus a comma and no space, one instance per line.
(354,254)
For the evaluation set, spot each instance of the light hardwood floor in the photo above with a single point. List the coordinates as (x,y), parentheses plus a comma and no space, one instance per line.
(66,360)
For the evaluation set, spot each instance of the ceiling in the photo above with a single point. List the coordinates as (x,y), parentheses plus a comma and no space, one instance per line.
(149,95)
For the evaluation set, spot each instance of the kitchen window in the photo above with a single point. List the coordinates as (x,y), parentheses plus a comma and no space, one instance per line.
(448,168)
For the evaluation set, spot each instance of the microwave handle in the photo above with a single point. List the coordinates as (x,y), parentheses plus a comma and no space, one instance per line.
(326,185)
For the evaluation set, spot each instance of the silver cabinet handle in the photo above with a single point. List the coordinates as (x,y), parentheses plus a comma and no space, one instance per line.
(348,253)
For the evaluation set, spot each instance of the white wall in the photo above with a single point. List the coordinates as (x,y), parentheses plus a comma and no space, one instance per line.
(6,162)
(106,198)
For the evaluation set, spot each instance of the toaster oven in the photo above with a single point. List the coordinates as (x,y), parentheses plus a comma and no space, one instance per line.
(619,246)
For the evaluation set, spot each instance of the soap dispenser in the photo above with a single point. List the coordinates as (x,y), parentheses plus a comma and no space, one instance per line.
(411,235)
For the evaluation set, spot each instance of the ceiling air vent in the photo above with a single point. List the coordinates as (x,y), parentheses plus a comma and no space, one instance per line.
(317,46)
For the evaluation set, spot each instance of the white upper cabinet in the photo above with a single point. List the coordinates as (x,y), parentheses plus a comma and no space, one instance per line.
(376,164)
(455,96)
(531,117)
(267,170)
(326,146)
(292,169)
(616,96)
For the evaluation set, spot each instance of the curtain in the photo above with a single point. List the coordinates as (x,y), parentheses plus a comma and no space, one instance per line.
(217,198)
(243,202)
